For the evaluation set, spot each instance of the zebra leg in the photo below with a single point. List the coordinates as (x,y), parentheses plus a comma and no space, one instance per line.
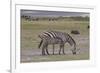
(63,49)
(53,48)
(40,44)
(47,49)
(60,50)
(43,50)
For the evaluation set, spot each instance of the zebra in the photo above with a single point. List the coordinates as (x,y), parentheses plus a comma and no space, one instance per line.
(47,40)
(62,37)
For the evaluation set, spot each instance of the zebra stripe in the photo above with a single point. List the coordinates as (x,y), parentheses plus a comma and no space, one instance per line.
(53,34)
(70,40)
(46,40)
(55,37)
(49,34)
(65,37)
(46,35)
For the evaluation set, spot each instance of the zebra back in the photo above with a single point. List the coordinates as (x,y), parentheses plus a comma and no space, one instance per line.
(49,39)
(55,37)
(64,36)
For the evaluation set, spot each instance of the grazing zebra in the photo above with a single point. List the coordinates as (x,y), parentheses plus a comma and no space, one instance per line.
(47,40)
(55,37)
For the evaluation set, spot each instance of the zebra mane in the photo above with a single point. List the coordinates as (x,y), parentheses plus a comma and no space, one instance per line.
(71,43)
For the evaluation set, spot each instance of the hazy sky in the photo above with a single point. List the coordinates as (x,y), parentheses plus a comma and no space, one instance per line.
(38,13)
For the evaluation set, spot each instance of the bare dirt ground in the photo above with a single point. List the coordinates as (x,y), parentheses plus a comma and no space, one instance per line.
(34,54)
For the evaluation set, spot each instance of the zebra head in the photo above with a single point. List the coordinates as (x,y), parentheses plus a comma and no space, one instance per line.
(73,51)
(72,42)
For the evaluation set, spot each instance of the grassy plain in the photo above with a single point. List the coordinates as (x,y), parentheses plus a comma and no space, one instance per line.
(30,40)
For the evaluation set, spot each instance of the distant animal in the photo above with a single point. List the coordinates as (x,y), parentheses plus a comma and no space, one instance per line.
(88,26)
(56,37)
(75,32)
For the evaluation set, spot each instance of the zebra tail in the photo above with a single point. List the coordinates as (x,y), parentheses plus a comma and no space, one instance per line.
(40,44)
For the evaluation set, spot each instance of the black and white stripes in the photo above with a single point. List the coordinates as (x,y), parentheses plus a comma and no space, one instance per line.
(56,37)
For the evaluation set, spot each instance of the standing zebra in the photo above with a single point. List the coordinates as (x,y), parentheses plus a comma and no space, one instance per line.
(52,37)
(47,40)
